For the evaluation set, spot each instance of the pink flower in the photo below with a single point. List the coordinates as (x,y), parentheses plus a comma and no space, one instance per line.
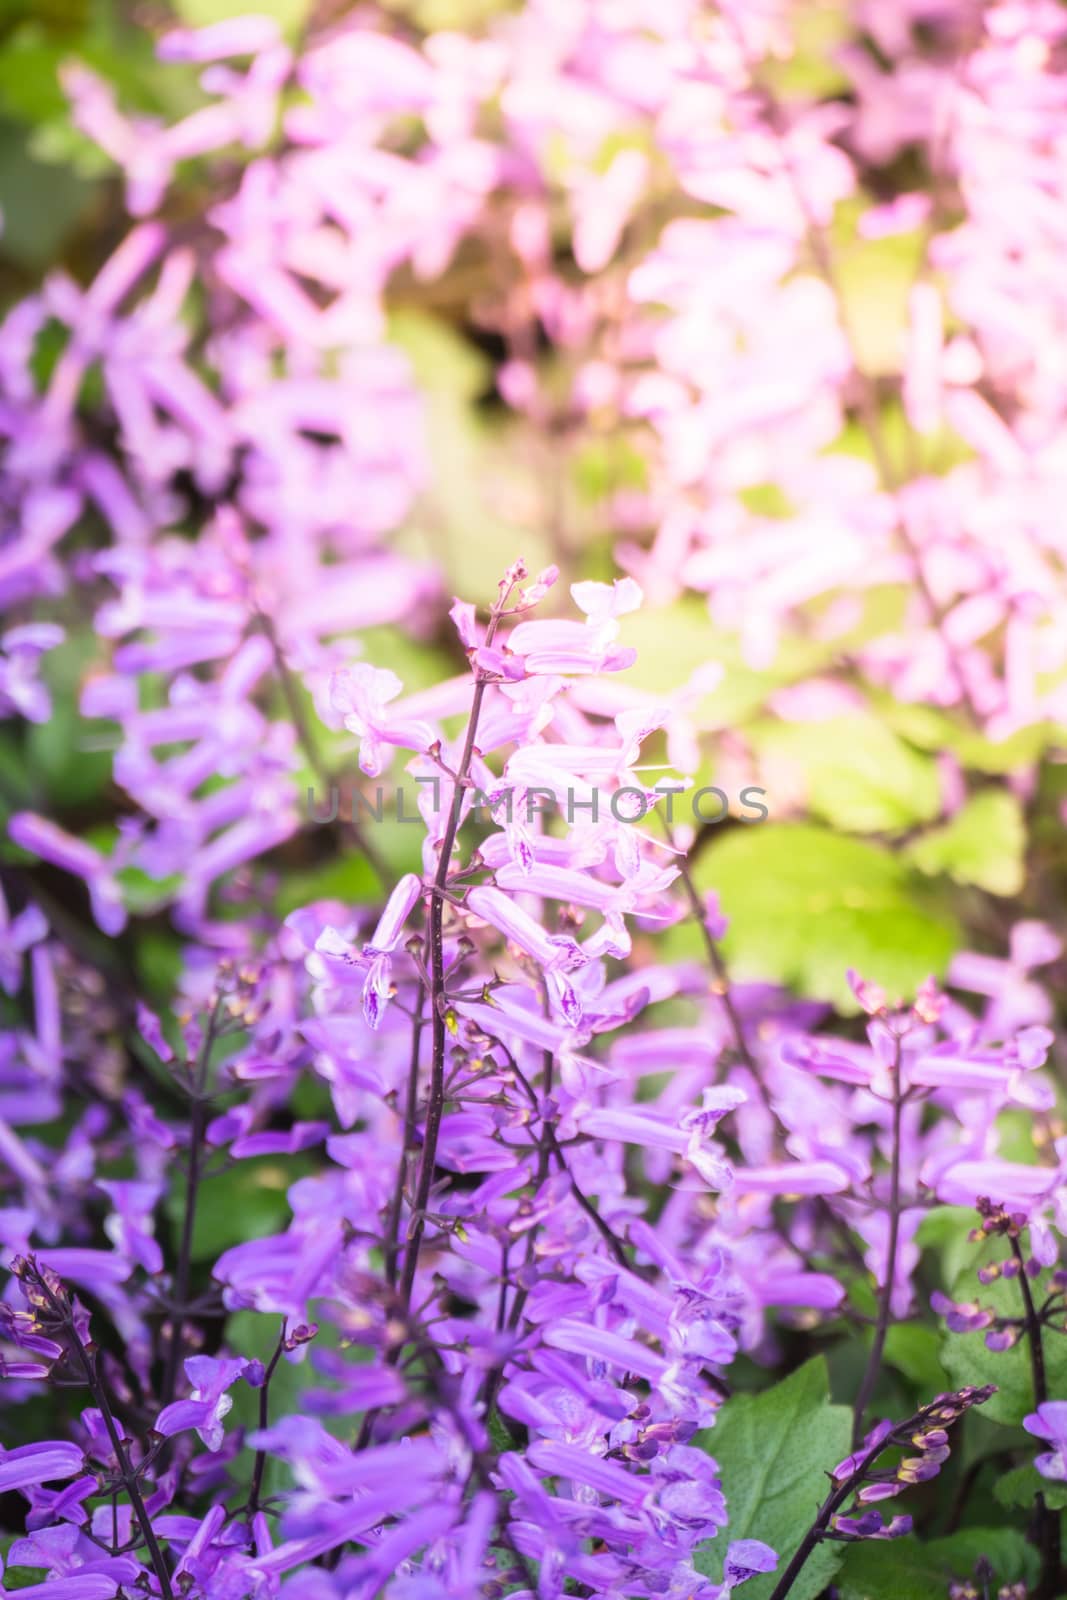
(361,695)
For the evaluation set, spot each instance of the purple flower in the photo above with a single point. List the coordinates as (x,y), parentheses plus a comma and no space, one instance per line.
(45,839)
(1049,1422)
(867,1450)
(17,935)
(360,695)
(961,1317)
(21,691)
(30,1464)
(208,1403)
(745,1558)
(574,647)
(82,1585)
(130,1225)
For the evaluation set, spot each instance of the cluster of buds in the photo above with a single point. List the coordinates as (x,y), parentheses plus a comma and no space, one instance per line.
(45,1328)
(925,1437)
(971,1316)
(238,991)
(529,595)
(996,1221)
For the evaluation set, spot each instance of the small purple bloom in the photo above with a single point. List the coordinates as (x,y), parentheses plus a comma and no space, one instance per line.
(30,1464)
(1049,1422)
(208,1403)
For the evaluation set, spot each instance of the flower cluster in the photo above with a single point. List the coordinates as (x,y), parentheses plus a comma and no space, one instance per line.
(442,1207)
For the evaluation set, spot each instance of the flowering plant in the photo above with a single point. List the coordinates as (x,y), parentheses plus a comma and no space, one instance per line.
(465,465)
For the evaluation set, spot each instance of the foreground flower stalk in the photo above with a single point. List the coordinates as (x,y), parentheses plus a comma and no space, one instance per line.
(479,1192)
(45,1294)
(856,1481)
(435,938)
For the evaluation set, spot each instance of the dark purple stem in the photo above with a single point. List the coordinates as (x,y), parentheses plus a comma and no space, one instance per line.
(436,1105)
(885,1299)
(96,1388)
(260,1464)
(1046,1522)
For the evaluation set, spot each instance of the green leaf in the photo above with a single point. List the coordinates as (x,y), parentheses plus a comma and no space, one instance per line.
(875,277)
(488,500)
(855,772)
(34,234)
(909,1570)
(915,1350)
(966,1359)
(811,69)
(66,756)
(607,464)
(1018,1488)
(248,1201)
(289,14)
(772,1450)
(946,1230)
(350,879)
(20,1577)
(455,16)
(142,895)
(806,904)
(936,730)
(694,642)
(159,964)
(983,844)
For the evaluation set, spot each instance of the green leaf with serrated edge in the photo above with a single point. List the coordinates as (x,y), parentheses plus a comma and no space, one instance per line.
(1019,1487)
(967,1360)
(805,904)
(772,1450)
(984,844)
(909,1570)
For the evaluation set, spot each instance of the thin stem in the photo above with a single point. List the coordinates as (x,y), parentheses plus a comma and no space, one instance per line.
(511,1319)
(830,1506)
(1033,1329)
(126,1472)
(197,1125)
(260,1464)
(483,1461)
(548,1135)
(392,1238)
(885,1299)
(436,1105)
(944,1412)
(1046,1522)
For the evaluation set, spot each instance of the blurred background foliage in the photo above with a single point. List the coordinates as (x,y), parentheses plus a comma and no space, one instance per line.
(855,866)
